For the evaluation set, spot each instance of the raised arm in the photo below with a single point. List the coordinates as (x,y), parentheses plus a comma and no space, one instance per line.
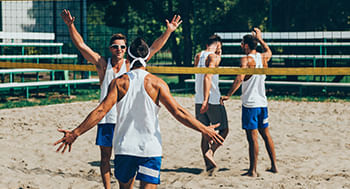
(78,41)
(91,120)
(160,41)
(267,54)
(184,116)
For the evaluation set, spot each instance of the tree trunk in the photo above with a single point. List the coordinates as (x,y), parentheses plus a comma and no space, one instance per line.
(186,32)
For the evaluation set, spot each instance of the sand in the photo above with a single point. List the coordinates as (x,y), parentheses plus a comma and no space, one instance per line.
(312,141)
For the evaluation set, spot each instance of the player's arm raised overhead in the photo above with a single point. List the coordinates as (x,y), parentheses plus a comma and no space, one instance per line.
(78,41)
(160,41)
(267,54)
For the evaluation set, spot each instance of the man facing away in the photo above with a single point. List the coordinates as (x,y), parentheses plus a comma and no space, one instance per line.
(254,101)
(208,108)
(137,140)
(109,69)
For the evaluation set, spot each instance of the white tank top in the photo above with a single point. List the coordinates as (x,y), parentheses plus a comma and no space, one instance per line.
(253,90)
(111,116)
(214,93)
(137,130)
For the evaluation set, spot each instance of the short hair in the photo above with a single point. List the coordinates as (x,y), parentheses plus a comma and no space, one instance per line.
(138,48)
(251,41)
(117,36)
(213,39)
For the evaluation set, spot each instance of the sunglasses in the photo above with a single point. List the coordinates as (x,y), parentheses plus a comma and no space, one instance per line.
(115,46)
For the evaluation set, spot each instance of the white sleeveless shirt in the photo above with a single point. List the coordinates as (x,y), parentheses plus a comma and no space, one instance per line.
(214,93)
(137,131)
(111,116)
(253,90)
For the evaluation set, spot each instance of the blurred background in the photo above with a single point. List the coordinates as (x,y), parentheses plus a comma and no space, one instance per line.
(98,20)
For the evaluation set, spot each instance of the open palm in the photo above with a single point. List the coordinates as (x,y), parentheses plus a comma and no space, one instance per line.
(175,22)
(67,17)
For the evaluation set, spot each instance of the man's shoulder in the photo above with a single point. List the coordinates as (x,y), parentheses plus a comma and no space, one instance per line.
(152,77)
(247,60)
(154,80)
(213,57)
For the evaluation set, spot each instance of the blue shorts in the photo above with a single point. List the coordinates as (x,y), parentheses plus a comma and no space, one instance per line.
(147,168)
(254,118)
(105,134)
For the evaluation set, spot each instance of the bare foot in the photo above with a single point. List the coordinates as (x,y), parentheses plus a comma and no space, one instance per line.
(211,171)
(209,156)
(250,174)
(272,170)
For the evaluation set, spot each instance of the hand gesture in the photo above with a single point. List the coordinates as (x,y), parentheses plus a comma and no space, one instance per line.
(175,22)
(212,135)
(257,33)
(204,108)
(223,98)
(67,140)
(67,18)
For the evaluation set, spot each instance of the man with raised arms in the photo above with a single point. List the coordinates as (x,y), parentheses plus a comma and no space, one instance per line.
(137,140)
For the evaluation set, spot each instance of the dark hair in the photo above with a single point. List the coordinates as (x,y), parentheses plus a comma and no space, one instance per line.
(251,41)
(213,39)
(138,48)
(117,36)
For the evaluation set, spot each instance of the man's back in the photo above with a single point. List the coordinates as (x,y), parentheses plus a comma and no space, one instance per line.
(137,131)
(152,86)
(202,60)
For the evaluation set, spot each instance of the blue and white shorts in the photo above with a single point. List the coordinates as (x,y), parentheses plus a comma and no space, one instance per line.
(254,118)
(146,168)
(105,134)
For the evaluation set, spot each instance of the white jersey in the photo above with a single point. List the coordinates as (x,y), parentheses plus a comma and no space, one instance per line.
(137,131)
(214,93)
(253,90)
(111,116)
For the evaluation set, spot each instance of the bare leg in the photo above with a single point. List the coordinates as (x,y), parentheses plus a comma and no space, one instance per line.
(147,185)
(208,156)
(105,166)
(252,137)
(270,148)
(128,185)
(222,133)
(213,147)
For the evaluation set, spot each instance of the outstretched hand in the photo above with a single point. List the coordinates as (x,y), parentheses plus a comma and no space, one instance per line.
(67,140)
(212,135)
(175,22)
(67,17)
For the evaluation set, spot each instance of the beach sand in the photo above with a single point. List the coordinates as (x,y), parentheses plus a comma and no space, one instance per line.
(312,142)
